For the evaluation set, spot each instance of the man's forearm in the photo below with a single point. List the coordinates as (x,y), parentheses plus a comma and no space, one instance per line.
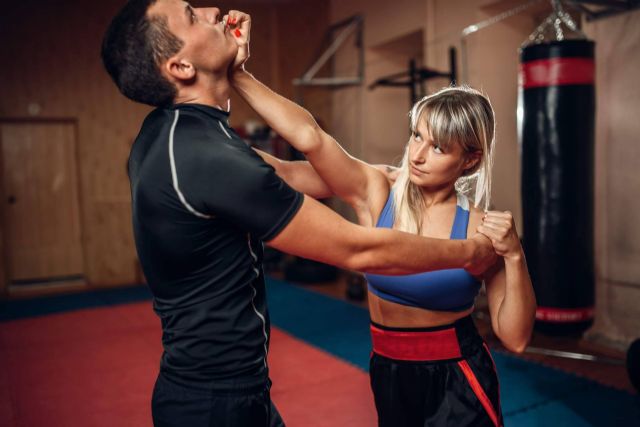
(318,233)
(392,252)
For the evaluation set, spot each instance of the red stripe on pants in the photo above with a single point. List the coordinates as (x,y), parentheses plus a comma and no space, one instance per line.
(479,392)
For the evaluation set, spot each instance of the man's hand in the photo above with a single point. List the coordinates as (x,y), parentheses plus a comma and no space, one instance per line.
(239,24)
(484,256)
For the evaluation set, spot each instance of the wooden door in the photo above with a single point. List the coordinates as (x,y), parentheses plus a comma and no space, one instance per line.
(42,233)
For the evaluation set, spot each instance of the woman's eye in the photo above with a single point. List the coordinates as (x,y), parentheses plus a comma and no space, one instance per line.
(417,136)
(437,149)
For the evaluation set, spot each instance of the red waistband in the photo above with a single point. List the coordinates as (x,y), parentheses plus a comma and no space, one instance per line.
(416,345)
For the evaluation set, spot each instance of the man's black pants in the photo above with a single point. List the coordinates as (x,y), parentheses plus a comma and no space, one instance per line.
(176,405)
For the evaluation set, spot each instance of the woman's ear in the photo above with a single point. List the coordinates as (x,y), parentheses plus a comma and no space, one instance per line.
(471,162)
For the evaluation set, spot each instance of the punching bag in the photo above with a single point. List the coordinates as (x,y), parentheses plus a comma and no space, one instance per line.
(557,148)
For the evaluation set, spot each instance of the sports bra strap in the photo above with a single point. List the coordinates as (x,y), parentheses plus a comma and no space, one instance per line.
(461,221)
(386,216)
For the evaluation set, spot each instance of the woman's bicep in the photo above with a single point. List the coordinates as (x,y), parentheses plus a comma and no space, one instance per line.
(349,178)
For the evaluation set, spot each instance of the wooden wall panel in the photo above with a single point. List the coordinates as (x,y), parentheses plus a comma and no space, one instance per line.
(52,69)
(42,223)
(300,30)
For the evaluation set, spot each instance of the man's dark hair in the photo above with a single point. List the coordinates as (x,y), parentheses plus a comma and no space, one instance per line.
(133,48)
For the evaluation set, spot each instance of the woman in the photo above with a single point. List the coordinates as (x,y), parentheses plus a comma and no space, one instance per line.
(429,366)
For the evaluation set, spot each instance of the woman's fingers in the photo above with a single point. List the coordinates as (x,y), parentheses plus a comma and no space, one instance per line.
(499,214)
(497,221)
(240,24)
(491,233)
(498,229)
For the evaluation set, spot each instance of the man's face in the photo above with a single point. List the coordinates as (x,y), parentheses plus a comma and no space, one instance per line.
(208,44)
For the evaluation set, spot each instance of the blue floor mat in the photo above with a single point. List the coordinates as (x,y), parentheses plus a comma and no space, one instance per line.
(531,394)
(19,309)
(335,326)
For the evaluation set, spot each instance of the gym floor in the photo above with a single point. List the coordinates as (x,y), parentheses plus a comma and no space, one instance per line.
(91,359)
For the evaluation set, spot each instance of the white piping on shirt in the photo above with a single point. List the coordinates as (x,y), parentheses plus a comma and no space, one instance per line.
(174,174)
(264,322)
(223,129)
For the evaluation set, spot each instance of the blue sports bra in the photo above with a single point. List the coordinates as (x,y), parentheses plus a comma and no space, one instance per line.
(443,290)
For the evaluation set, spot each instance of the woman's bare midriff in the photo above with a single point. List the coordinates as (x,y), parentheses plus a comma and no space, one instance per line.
(395,315)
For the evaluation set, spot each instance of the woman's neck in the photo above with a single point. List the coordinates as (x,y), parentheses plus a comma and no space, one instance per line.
(437,196)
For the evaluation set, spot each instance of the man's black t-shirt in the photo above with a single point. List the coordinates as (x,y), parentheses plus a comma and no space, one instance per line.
(203,203)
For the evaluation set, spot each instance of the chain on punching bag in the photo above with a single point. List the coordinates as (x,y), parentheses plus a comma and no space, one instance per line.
(557,98)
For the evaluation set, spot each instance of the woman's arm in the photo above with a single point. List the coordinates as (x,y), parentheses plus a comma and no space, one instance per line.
(354,181)
(390,172)
(364,187)
(512,302)
(300,175)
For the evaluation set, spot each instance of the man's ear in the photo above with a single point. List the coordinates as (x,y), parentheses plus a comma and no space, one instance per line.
(180,69)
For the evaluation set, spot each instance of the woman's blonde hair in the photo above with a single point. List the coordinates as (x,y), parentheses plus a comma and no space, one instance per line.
(460,115)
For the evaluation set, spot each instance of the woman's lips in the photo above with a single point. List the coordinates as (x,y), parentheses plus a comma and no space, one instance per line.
(416,171)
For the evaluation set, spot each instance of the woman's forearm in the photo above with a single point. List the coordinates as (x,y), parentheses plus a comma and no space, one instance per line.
(347,177)
(288,119)
(516,315)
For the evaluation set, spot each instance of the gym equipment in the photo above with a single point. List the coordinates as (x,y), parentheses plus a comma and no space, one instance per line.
(556,126)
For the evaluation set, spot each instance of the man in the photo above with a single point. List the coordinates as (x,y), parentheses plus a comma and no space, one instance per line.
(203,203)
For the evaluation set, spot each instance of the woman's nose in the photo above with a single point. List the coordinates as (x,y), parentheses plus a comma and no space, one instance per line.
(418,155)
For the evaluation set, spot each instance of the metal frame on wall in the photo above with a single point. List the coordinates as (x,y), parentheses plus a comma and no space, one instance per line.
(598,9)
(343,29)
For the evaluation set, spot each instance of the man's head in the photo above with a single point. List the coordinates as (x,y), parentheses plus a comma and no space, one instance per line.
(155,48)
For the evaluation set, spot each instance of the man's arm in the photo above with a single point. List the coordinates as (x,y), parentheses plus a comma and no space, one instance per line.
(318,233)
(300,175)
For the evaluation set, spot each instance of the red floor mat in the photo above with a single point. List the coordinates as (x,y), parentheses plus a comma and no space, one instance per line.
(97,367)
(312,388)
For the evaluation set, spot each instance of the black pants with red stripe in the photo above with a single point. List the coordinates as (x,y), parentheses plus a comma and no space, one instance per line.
(461,391)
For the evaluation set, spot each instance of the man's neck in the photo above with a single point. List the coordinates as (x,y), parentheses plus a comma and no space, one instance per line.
(214,93)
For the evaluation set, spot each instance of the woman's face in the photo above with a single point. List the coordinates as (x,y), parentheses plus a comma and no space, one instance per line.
(432,166)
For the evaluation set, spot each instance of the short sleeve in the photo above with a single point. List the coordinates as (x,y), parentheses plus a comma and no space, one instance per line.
(224,178)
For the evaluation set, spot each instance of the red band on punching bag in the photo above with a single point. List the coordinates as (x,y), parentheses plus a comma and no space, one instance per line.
(557,72)
(564,315)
